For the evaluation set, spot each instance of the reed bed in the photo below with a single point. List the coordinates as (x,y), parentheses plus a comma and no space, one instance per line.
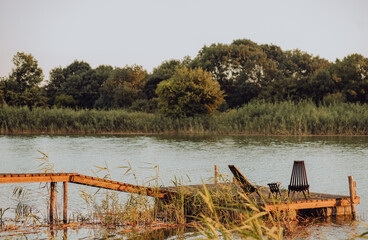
(255,118)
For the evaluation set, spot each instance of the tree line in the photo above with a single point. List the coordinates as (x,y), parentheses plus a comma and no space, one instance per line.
(220,77)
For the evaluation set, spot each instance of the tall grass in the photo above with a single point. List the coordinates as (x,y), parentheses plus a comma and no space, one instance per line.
(259,118)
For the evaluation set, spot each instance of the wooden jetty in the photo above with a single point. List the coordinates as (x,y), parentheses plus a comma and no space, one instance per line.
(327,204)
(317,204)
(76,178)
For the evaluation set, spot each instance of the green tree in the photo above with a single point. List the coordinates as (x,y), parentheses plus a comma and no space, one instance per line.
(79,81)
(351,77)
(2,88)
(22,85)
(296,76)
(163,72)
(26,73)
(53,87)
(242,69)
(122,88)
(189,92)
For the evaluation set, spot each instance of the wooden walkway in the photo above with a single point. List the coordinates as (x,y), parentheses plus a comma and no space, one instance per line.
(331,204)
(84,180)
(76,178)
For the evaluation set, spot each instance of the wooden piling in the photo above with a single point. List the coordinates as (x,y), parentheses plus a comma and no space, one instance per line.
(216,173)
(65,202)
(52,201)
(352,185)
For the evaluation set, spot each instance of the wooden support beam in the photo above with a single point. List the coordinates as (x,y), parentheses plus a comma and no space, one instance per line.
(216,173)
(52,201)
(123,187)
(352,185)
(65,202)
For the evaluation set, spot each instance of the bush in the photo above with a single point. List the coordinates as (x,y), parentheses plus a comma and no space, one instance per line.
(189,92)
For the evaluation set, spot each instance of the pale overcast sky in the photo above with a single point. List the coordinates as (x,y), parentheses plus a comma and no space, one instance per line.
(147,32)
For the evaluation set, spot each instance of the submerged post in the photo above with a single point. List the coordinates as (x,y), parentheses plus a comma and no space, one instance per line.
(216,173)
(352,185)
(65,202)
(52,201)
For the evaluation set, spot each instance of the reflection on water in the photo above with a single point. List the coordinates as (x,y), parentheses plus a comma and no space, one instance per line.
(329,161)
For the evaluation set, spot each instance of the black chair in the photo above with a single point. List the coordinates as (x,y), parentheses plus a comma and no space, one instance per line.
(299,181)
(274,189)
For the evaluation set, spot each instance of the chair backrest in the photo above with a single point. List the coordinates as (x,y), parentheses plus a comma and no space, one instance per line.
(247,186)
(298,178)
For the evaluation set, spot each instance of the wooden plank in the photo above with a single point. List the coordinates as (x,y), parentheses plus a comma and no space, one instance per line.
(36,177)
(65,202)
(52,201)
(118,186)
(352,195)
(311,204)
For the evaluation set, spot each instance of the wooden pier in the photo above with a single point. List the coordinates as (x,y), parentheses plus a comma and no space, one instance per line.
(320,204)
(76,178)
(327,204)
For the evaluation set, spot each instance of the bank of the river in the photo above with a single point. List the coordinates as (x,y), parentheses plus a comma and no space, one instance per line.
(257,118)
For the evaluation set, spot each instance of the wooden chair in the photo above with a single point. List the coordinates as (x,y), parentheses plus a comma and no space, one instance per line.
(274,188)
(298,181)
(244,183)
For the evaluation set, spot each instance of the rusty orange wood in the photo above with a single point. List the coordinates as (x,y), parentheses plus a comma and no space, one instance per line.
(309,204)
(119,186)
(35,177)
(85,180)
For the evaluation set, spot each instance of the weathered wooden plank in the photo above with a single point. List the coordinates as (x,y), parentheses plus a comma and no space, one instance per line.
(352,194)
(118,186)
(52,201)
(65,202)
(34,178)
(309,204)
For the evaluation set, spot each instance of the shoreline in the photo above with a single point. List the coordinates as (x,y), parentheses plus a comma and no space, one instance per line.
(169,133)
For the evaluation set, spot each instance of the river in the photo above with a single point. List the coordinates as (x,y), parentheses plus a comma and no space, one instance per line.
(329,161)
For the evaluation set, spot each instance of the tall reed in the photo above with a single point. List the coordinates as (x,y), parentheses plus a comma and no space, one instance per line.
(259,118)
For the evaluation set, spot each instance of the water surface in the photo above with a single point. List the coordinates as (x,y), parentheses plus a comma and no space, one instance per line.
(329,161)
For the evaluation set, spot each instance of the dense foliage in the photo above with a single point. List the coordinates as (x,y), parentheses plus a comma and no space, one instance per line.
(284,118)
(189,92)
(245,71)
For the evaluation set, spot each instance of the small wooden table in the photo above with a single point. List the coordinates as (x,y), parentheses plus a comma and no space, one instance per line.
(274,188)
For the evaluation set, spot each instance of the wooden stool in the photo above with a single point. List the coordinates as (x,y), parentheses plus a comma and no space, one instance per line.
(274,188)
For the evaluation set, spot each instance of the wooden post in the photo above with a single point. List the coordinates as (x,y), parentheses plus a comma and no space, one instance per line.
(65,202)
(52,201)
(352,185)
(216,173)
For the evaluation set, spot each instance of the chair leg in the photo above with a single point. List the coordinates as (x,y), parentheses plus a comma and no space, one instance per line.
(305,195)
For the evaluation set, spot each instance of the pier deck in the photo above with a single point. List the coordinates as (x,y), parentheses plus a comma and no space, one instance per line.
(329,203)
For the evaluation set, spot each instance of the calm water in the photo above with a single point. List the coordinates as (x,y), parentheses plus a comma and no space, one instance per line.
(329,160)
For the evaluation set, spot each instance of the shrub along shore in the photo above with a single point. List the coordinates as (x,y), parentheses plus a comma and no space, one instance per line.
(255,118)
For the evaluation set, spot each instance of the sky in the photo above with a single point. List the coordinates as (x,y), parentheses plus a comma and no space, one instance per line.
(147,32)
